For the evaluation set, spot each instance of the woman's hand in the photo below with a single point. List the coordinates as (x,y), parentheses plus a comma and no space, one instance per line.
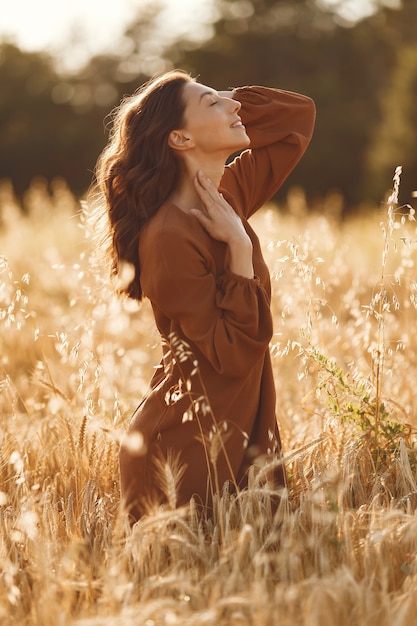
(227,94)
(219,218)
(223,223)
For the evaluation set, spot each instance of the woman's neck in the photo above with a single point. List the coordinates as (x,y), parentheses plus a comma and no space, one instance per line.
(185,195)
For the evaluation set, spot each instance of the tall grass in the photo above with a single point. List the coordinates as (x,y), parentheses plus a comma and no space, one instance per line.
(75,360)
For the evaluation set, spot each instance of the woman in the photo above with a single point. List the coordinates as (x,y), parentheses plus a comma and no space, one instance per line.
(179,216)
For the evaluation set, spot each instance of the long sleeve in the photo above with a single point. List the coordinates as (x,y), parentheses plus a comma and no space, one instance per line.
(280,126)
(227,317)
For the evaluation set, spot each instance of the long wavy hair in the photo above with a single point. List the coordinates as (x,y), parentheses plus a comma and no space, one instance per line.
(137,170)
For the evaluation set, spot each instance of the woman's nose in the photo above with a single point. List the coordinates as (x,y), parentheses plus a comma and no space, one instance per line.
(236,105)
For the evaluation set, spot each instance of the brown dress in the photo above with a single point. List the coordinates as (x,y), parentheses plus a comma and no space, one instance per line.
(210,408)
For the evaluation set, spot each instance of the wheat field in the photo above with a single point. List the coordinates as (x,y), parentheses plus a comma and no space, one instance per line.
(74,362)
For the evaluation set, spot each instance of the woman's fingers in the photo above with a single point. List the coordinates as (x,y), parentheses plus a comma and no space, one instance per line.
(204,187)
(207,191)
(201,217)
(219,218)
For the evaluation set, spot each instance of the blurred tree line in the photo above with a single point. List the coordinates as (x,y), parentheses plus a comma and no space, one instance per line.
(363,78)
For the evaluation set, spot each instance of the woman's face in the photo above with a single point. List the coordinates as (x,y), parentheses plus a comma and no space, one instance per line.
(212,120)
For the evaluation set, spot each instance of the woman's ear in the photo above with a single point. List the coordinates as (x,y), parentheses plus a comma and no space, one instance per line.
(179,140)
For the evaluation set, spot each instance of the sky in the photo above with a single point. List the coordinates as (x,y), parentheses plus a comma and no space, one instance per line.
(73,30)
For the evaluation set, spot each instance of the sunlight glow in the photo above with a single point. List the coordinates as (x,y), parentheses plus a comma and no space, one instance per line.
(351,11)
(74,31)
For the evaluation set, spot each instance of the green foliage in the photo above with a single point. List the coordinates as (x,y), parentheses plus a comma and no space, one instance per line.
(395,135)
(362,79)
(351,401)
(42,133)
(361,400)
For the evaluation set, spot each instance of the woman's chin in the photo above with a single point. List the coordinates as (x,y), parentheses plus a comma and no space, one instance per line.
(245,140)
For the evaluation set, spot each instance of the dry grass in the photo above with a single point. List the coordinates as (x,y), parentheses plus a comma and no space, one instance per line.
(74,361)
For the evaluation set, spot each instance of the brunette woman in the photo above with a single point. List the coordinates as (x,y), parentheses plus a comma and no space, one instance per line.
(179,216)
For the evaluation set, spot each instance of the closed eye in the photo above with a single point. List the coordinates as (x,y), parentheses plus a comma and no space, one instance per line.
(215,102)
